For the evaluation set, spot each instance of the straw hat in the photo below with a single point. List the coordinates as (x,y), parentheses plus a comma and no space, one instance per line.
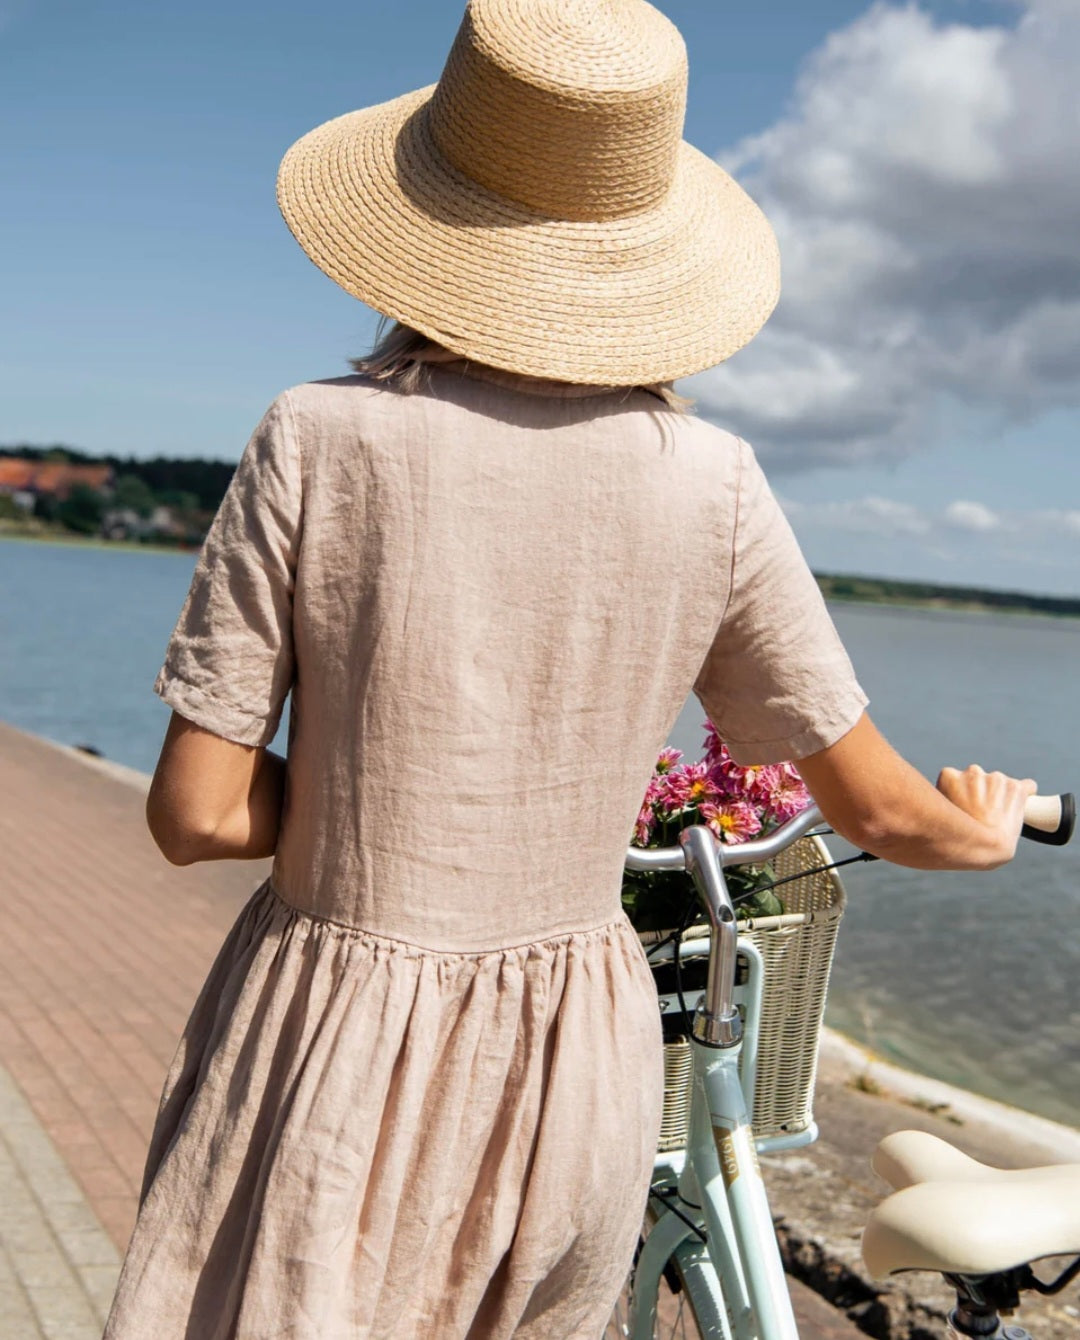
(537,209)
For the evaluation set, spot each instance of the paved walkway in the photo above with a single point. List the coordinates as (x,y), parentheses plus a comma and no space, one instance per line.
(104,948)
(57,1264)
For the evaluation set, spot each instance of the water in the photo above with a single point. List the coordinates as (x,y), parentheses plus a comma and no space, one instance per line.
(970,978)
(82,635)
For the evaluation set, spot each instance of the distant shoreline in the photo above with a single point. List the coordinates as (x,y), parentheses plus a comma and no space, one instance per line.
(842,588)
(943,606)
(72,541)
(850,589)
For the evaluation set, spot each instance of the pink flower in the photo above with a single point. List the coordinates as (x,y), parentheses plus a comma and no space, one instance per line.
(699,785)
(667,759)
(715,749)
(753,782)
(676,790)
(788,795)
(734,799)
(671,791)
(686,785)
(719,778)
(731,820)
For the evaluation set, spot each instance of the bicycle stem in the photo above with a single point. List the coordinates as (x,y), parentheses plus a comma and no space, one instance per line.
(716,1020)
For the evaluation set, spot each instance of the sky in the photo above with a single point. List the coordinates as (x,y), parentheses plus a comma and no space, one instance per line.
(915,399)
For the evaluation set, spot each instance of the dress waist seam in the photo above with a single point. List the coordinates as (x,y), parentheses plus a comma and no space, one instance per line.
(618,924)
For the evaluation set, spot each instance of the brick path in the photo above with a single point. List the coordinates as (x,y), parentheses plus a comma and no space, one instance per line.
(104,947)
(103,950)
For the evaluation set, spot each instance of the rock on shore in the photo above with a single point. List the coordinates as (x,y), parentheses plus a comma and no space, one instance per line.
(821,1195)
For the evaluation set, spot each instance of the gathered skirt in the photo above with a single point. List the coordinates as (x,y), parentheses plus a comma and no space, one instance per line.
(362,1139)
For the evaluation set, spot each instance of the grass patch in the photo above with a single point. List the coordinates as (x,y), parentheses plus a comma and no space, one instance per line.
(942,1110)
(865,1083)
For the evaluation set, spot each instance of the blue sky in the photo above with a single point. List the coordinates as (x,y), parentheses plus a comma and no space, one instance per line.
(915,399)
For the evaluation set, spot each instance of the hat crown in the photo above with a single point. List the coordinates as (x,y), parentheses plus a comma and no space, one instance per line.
(573,108)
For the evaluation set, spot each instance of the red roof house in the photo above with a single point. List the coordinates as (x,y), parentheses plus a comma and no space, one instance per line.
(54,479)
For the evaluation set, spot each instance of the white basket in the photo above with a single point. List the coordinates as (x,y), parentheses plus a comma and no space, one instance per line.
(796,952)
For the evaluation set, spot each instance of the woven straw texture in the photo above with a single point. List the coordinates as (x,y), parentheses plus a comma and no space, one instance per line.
(797,961)
(537,209)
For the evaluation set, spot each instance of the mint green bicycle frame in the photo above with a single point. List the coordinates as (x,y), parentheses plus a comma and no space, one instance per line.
(735,1278)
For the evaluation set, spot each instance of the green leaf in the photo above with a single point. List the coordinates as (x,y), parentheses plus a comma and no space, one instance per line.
(762,903)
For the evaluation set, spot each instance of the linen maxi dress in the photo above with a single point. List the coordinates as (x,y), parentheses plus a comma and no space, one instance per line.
(420,1091)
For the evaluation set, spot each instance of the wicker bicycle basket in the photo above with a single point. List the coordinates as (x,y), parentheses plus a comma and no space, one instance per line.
(796,960)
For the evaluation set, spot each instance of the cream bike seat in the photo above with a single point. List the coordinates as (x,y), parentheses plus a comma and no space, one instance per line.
(953,1214)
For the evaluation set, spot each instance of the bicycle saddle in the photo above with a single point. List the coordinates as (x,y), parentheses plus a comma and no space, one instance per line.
(953,1214)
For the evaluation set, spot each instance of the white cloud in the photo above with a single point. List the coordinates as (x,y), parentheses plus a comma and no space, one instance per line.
(962,541)
(924,190)
(1055,521)
(885,517)
(971,516)
(870,515)
(899,518)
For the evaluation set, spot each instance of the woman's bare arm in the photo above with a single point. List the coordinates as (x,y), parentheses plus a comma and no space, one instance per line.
(213,800)
(877,800)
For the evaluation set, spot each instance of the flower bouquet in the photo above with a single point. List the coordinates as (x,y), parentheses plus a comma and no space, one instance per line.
(736,802)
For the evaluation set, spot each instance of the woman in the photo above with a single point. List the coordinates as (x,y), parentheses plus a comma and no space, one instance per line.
(419,1094)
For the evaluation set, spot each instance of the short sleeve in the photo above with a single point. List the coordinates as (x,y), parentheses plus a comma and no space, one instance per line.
(777,682)
(229,664)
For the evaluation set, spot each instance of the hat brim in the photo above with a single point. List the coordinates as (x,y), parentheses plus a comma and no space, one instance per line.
(646,298)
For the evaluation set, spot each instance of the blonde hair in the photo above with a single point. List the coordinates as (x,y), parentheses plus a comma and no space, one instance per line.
(397,358)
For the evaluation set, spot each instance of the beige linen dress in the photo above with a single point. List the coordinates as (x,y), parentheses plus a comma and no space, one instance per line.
(419,1093)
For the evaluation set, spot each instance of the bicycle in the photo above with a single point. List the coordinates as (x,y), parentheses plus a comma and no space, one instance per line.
(709,1231)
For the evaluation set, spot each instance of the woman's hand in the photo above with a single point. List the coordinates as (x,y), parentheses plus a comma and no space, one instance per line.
(877,800)
(991,798)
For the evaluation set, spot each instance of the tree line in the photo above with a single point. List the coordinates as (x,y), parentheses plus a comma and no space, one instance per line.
(191,488)
(173,481)
(885,590)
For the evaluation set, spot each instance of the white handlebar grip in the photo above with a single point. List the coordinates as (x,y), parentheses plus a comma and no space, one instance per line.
(1050,819)
(1043,812)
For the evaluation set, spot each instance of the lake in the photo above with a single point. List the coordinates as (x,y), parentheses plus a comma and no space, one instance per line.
(969,978)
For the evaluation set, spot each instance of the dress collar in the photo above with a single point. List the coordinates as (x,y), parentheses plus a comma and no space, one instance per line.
(514,381)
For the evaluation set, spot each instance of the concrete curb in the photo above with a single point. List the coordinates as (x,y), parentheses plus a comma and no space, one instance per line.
(58,1268)
(120,772)
(1060,1143)
(821,1197)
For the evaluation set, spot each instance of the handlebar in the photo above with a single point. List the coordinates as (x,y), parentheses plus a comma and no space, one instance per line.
(1048,819)
(717,1022)
(755,852)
